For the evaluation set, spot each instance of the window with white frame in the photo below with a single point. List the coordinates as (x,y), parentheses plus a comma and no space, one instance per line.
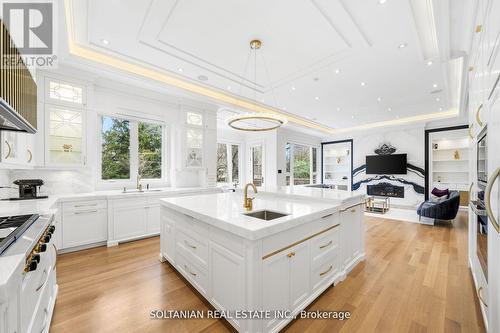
(228,163)
(130,148)
(301,164)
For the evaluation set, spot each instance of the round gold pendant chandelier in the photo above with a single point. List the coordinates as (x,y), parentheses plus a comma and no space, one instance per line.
(257,121)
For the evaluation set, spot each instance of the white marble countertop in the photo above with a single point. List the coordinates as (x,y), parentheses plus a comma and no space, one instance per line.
(225,211)
(345,198)
(49,205)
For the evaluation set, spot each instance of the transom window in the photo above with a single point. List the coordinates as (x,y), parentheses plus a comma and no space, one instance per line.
(65,92)
(130,148)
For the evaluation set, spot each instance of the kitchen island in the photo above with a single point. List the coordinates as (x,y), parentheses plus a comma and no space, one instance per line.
(278,261)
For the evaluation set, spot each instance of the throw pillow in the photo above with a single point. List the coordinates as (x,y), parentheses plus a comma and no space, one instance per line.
(439,193)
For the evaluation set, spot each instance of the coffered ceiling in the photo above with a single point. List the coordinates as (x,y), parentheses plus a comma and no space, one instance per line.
(337,63)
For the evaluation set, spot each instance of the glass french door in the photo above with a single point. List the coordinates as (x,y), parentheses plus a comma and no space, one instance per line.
(257,165)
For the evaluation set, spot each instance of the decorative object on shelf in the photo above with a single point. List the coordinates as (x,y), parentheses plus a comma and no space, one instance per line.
(67,147)
(456,155)
(439,179)
(256,121)
(385,149)
(435,146)
(339,160)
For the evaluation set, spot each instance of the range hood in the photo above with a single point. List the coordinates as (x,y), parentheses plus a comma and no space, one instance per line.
(17,89)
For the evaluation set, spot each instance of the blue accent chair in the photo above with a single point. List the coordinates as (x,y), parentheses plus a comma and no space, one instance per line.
(442,210)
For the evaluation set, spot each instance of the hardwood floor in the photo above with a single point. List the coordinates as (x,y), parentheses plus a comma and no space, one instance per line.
(415,279)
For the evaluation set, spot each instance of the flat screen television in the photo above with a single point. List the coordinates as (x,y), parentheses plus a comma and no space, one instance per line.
(386,164)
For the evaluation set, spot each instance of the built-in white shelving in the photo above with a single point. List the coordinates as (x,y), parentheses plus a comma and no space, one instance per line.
(449,160)
(337,164)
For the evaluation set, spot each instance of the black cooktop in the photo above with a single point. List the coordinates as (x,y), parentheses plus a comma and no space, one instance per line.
(12,227)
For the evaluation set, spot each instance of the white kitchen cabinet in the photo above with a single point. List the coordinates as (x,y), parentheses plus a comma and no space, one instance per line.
(133,219)
(283,272)
(351,220)
(84,223)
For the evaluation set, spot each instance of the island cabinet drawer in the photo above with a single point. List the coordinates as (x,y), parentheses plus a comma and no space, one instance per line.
(324,273)
(194,247)
(324,244)
(78,206)
(197,276)
(190,223)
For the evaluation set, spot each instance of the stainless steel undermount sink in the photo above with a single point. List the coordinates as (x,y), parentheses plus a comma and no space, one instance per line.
(266,215)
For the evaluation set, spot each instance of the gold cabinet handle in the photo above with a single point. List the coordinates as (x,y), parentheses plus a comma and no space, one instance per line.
(55,249)
(190,245)
(470,131)
(187,270)
(478,119)
(327,271)
(9,149)
(480,297)
(291,254)
(44,280)
(470,190)
(487,199)
(30,154)
(323,246)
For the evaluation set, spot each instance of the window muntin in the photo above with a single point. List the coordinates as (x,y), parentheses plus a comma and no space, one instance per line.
(228,163)
(65,92)
(130,148)
(193,118)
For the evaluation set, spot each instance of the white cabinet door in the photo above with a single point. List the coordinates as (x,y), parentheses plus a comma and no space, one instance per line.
(168,240)
(129,221)
(300,272)
(276,286)
(227,280)
(347,225)
(84,227)
(153,224)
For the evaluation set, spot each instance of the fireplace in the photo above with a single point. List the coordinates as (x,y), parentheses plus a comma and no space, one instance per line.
(386,190)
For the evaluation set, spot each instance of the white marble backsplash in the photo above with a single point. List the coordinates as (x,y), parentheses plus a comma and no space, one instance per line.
(58,181)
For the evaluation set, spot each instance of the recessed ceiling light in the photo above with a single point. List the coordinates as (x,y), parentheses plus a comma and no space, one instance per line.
(402,45)
(397,116)
(338,109)
(379,99)
(105,41)
(381,2)
(429,62)
(437,99)
(316,98)
(389,109)
(363,84)
(202,77)
(293,88)
(337,71)
(228,87)
(435,85)
(180,70)
(352,116)
(262,100)
(284,108)
(440,109)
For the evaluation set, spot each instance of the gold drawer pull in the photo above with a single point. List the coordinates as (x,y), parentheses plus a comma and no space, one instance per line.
(44,280)
(327,271)
(323,246)
(191,246)
(9,150)
(291,254)
(481,298)
(324,217)
(85,212)
(30,156)
(186,268)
